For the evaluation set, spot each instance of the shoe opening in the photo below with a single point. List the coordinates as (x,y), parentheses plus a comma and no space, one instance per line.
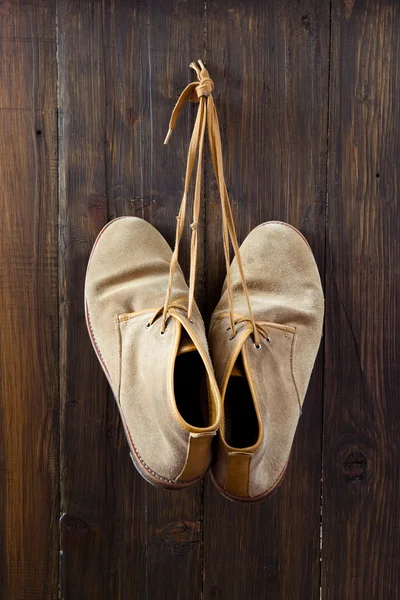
(241,427)
(191,385)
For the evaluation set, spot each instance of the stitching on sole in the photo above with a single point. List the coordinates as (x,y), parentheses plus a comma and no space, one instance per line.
(96,345)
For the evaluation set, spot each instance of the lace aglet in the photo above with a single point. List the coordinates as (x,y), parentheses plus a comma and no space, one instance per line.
(201,64)
(168,136)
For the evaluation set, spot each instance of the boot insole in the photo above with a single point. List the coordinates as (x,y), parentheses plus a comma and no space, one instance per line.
(241,424)
(190,381)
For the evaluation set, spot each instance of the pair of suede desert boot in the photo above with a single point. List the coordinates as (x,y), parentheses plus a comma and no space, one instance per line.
(233,397)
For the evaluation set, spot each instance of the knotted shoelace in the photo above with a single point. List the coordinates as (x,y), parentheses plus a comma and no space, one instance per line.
(201,92)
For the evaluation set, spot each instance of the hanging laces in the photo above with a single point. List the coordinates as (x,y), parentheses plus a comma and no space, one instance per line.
(201,92)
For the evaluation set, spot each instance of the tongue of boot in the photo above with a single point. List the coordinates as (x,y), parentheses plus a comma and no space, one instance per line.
(238,369)
(186,344)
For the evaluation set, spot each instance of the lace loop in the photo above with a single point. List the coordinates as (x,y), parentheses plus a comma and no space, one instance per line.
(201,92)
(261,330)
(205,88)
(177,304)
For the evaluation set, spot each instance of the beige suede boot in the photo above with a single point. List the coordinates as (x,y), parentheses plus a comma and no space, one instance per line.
(149,336)
(162,377)
(263,372)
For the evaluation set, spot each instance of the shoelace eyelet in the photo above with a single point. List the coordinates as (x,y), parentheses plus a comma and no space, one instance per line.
(232,337)
(257,346)
(148,325)
(268,340)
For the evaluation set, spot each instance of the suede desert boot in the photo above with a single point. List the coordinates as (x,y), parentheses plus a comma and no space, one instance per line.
(263,359)
(149,336)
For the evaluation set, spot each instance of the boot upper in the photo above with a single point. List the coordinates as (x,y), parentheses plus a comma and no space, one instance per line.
(288,305)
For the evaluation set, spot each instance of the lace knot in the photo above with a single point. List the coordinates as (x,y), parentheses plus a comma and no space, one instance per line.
(205,85)
(205,88)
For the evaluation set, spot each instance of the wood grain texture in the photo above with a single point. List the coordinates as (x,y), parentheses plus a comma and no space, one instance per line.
(271,91)
(28,303)
(85,521)
(361,541)
(307,94)
(120,537)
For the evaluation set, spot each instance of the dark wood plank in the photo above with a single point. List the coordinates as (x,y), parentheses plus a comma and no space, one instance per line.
(29,432)
(121,68)
(271,90)
(361,541)
(85,522)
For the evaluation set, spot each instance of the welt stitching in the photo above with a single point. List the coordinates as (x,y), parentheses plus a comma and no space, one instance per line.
(94,339)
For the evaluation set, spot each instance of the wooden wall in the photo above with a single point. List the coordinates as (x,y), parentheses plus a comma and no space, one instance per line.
(308,99)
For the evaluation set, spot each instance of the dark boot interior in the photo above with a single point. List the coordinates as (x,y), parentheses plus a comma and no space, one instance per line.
(190,380)
(241,424)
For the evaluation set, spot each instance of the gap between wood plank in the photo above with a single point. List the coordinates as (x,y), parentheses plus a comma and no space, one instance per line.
(60,513)
(324,286)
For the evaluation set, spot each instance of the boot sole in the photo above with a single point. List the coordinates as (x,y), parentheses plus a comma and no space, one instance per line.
(148,474)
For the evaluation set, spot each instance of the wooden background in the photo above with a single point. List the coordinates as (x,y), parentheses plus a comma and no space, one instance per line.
(308,98)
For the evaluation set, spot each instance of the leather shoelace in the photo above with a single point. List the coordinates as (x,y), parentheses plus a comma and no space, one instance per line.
(201,92)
